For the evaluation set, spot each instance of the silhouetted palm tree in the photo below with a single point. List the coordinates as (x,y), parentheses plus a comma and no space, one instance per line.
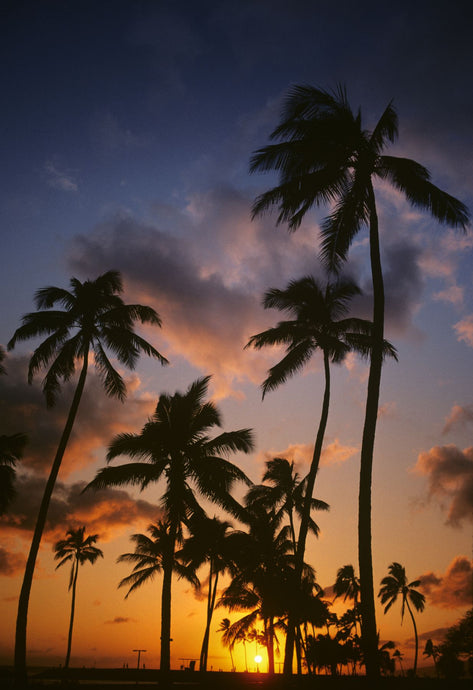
(77,550)
(316,324)
(347,585)
(94,319)
(174,447)
(11,450)
(227,639)
(284,494)
(208,543)
(153,555)
(395,584)
(325,156)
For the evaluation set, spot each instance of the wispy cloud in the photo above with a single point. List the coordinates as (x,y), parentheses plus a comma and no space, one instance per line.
(459,417)
(464,330)
(59,179)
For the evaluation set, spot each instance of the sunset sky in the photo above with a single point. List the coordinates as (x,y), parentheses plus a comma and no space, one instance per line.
(127,129)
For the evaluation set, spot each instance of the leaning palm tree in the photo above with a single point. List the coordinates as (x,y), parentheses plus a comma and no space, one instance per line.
(76,550)
(395,584)
(174,446)
(94,318)
(316,324)
(11,450)
(208,543)
(324,156)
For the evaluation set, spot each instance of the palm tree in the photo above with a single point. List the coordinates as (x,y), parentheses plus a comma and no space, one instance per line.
(77,550)
(208,543)
(153,555)
(94,319)
(284,494)
(174,446)
(395,584)
(227,639)
(347,585)
(325,156)
(11,450)
(316,324)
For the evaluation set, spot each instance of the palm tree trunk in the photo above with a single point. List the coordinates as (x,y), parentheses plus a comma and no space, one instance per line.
(367,600)
(304,526)
(210,609)
(416,638)
(270,644)
(168,562)
(73,605)
(20,680)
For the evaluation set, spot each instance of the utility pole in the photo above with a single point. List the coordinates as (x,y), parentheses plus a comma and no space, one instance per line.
(139,656)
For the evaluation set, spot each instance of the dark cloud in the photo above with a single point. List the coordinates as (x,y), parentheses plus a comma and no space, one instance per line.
(119,620)
(206,282)
(103,512)
(453,589)
(23,409)
(450,478)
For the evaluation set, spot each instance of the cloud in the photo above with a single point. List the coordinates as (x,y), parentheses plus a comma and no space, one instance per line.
(59,179)
(209,291)
(454,588)
(452,295)
(335,453)
(120,619)
(301,454)
(23,409)
(464,330)
(104,512)
(11,563)
(450,480)
(459,417)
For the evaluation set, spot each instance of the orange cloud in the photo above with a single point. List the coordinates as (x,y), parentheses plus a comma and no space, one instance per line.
(336,453)
(22,408)
(459,417)
(301,454)
(11,563)
(454,588)
(464,330)
(450,476)
(104,512)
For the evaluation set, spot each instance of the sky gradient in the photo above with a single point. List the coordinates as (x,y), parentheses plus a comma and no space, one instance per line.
(127,133)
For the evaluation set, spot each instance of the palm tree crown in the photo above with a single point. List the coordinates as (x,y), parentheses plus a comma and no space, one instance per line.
(77,550)
(11,450)
(94,318)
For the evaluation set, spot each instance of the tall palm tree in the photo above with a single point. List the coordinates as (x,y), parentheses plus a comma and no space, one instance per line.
(77,550)
(316,324)
(324,156)
(94,318)
(208,543)
(11,450)
(395,584)
(174,446)
(284,493)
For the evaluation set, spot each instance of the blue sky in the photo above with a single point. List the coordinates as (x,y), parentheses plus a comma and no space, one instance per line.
(127,133)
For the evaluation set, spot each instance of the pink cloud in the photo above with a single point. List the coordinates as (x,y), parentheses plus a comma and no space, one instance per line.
(458,418)
(464,330)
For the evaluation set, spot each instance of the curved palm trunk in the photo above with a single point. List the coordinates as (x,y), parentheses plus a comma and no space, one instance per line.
(367,599)
(20,681)
(73,606)
(416,639)
(204,653)
(304,526)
